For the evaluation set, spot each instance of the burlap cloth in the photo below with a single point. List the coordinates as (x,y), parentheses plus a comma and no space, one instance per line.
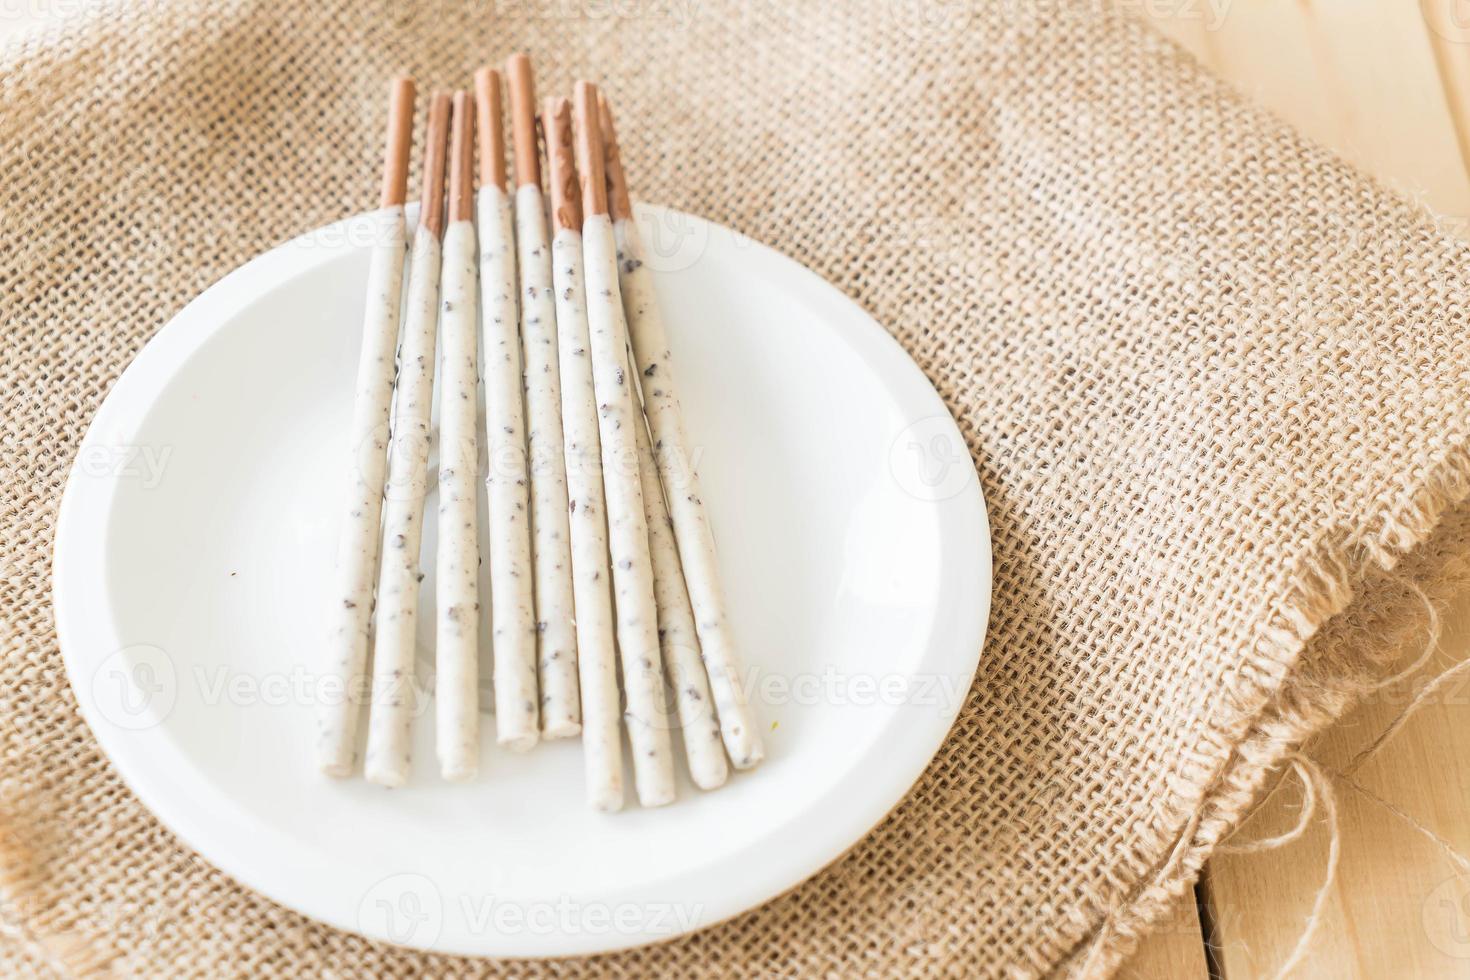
(1215,382)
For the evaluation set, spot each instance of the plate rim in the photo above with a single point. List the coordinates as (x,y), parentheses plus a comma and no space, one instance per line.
(169,349)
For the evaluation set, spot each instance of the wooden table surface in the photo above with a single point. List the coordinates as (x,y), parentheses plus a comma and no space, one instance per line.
(1386,83)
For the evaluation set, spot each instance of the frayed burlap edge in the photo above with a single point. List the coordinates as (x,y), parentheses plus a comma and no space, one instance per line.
(1322,586)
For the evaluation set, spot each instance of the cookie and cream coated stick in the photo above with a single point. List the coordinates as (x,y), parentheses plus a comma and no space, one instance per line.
(597,664)
(357,549)
(675,463)
(677,637)
(390,715)
(513,634)
(556,637)
(457,668)
(632,571)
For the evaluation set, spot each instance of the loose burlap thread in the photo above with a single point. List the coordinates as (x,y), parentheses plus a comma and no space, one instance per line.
(1214,381)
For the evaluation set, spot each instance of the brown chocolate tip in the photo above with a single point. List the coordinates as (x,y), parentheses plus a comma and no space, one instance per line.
(619,204)
(400,140)
(492,136)
(522,85)
(556,123)
(436,149)
(589,150)
(462,159)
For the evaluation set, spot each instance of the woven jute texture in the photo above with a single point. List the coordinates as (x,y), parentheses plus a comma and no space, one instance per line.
(1214,381)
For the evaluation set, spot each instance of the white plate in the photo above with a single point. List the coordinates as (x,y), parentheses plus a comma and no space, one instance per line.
(198,529)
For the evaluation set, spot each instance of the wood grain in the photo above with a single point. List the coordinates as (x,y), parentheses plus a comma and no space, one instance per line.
(1175,951)
(1401,905)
